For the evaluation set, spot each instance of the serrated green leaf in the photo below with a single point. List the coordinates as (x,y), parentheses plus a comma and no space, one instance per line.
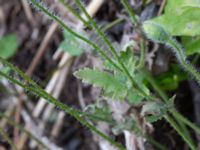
(129,60)
(8,46)
(181,17)
(103,80)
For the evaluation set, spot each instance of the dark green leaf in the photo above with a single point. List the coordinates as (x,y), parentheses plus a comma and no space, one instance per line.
(170,79)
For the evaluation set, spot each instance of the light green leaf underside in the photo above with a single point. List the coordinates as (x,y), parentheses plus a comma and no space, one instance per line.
(181,17)
(106,81)
(71,44)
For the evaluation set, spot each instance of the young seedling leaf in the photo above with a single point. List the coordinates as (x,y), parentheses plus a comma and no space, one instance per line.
(103,80)
(8,46)
(155,32)
(170,80)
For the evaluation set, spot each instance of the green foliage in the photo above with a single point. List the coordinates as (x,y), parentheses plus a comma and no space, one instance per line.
(176,47)
(32,87)
(170,80)
(191,44)
(70,44)
(8,45)
(123,79)
(128,123)
(100,112)
(106,81)
(116,85)
(181,17)
(155,32)
(153,111)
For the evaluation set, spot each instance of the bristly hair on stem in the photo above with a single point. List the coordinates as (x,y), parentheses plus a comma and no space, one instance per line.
(154,32)
(39,91)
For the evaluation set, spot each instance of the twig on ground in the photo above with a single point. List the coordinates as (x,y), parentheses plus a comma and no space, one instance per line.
(42,49)
(27,11)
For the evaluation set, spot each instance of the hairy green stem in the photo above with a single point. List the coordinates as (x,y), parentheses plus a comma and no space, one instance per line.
(33,87)
(186,121)
(180,132)
(64,26)
(157,33)
(131,13)
(164,96)
(155,143)
(180,118)
(110,25)
(65,108)
(101,52)
(112,49)
(75,13)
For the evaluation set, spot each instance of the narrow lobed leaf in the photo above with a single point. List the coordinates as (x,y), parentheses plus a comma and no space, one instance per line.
(103,80)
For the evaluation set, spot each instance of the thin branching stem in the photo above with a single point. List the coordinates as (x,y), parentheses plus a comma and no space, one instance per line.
(186,121)
(155,143)
(64,26)
(180,132)
(110,25)
(182,59)
(34,88)
(165,98)
(158,34)
(131,13)
(77,15)
(111,48)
